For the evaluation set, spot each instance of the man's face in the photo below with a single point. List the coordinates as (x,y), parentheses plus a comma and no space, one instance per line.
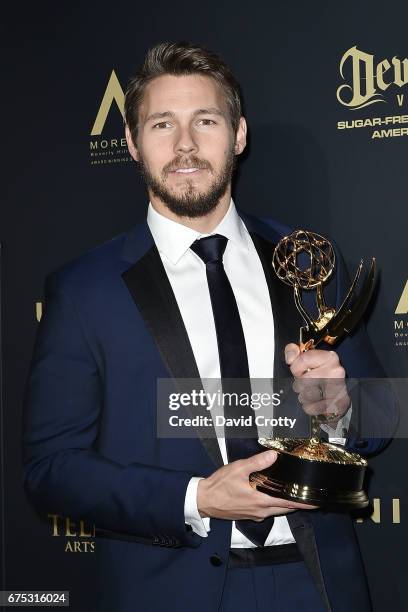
(185,143)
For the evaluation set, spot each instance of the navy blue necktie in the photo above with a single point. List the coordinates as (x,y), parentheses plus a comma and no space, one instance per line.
(233,365)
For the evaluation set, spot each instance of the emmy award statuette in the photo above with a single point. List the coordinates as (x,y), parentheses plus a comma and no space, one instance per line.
(309,470)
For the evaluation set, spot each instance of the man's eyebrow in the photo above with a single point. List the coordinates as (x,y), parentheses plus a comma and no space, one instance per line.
(212,110)
(159,115)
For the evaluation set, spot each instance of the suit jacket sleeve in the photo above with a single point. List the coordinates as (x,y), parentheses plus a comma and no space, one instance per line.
(63,471)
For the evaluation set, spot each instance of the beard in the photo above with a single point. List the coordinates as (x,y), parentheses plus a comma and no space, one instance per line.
(191,202)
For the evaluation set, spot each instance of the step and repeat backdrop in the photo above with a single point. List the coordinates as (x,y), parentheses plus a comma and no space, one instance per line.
(325,86)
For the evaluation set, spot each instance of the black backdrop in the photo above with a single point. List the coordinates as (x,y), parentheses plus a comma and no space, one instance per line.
(67,190)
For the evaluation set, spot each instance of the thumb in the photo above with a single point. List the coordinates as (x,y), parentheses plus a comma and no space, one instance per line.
(261,461)
(291,352)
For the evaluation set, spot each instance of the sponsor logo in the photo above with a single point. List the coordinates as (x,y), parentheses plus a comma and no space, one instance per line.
(78,537)
(108,142)
(369,82)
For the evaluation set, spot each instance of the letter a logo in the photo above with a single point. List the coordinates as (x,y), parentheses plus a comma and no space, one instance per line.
(402,307)
(113,92)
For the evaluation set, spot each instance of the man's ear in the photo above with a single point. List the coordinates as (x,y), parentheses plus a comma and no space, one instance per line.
(240,138)
(132,149)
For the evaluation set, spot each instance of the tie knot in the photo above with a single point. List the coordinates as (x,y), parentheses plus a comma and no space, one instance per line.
(210,248)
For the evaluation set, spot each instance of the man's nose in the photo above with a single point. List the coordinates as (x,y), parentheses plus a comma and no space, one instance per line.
(185,142)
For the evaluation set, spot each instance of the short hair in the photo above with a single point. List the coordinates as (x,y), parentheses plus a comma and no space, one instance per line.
(181,58)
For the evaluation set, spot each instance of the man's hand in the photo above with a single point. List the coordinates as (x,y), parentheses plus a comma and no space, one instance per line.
(319,382)
(227,493)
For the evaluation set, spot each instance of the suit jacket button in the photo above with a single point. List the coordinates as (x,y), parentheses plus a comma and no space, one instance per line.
(361,443)
(215,560)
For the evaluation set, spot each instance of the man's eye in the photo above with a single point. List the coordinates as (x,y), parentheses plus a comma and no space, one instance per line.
(161,125)
(207,121)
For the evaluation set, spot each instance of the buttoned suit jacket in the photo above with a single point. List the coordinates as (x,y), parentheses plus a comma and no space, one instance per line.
(111,327)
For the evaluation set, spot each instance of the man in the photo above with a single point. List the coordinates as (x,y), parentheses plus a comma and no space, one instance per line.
(188,294)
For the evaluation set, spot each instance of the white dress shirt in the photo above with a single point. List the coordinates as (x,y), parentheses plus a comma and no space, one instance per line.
(187,275)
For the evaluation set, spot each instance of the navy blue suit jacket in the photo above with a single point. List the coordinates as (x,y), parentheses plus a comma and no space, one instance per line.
(110,328)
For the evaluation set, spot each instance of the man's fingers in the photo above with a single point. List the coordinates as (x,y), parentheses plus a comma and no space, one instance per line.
(259,461)
(308,361)
(301,385)
(334,372)
(268,502)
(330,386)
(292,351)
(310,394)
(322,398)
(292,505)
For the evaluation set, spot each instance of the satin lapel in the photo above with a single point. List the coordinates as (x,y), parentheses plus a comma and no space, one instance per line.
(303,533)
(151,290)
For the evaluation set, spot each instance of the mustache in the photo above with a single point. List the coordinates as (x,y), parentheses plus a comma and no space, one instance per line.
(187,162)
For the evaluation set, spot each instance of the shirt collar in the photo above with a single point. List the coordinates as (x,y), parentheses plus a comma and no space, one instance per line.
(174,239)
